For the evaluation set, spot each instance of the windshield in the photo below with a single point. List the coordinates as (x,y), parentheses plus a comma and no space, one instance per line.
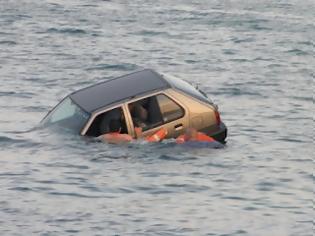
(68,115)
(187,88)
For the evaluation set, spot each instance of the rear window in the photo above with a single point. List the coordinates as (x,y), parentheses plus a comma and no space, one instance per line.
(187,88)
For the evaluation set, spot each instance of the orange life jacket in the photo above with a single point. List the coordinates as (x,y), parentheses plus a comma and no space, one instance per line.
(204,138)
(158,136)
(116,137)
(201,137)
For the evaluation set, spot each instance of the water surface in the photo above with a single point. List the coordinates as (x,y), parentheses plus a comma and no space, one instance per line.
(254,59)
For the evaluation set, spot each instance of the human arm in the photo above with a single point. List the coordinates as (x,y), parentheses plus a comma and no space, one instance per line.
(138,132)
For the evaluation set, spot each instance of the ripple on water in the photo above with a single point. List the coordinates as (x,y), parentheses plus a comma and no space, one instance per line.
(17,142)
(120,67)
(70,31)
(169,158)
(297,52)
(253,58)
(75,194)
(8,42)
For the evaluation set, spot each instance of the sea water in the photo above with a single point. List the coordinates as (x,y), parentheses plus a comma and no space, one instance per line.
(255,59)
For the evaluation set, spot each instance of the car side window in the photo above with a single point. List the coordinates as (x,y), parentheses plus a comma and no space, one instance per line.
(154,111)
(146,113)
(100,124)
(170,110)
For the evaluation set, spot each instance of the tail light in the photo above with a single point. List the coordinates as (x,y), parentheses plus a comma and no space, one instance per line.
(217,117)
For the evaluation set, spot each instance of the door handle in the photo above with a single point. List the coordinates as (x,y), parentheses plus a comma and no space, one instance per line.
(178,126)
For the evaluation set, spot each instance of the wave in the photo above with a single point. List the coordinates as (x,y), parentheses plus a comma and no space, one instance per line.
(119,67)
(8,42)
(66,31)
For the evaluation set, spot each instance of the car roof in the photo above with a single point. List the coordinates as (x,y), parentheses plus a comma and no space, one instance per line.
(118,89)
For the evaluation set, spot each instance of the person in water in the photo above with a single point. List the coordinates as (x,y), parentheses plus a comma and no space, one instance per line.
(139,114)
(158,136)
(115,137)
(192,134)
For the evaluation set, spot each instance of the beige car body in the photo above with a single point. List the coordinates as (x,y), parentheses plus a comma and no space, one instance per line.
(196,114)
(178,105)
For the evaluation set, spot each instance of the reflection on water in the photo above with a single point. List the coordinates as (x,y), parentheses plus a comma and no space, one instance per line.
(253,59)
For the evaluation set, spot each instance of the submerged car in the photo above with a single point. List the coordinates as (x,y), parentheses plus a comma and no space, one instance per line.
(144,99)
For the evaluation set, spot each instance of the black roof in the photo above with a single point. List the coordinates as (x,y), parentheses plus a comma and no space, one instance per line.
(118,89)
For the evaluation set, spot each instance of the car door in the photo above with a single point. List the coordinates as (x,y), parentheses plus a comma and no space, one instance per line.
(100,120)
(175,117)
(157,111)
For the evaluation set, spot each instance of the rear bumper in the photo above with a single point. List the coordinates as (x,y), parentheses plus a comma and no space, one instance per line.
(221,134)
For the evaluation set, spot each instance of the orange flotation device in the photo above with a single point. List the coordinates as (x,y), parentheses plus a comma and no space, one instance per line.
(158,136)
(116,137)
(201,137)
(204,138)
